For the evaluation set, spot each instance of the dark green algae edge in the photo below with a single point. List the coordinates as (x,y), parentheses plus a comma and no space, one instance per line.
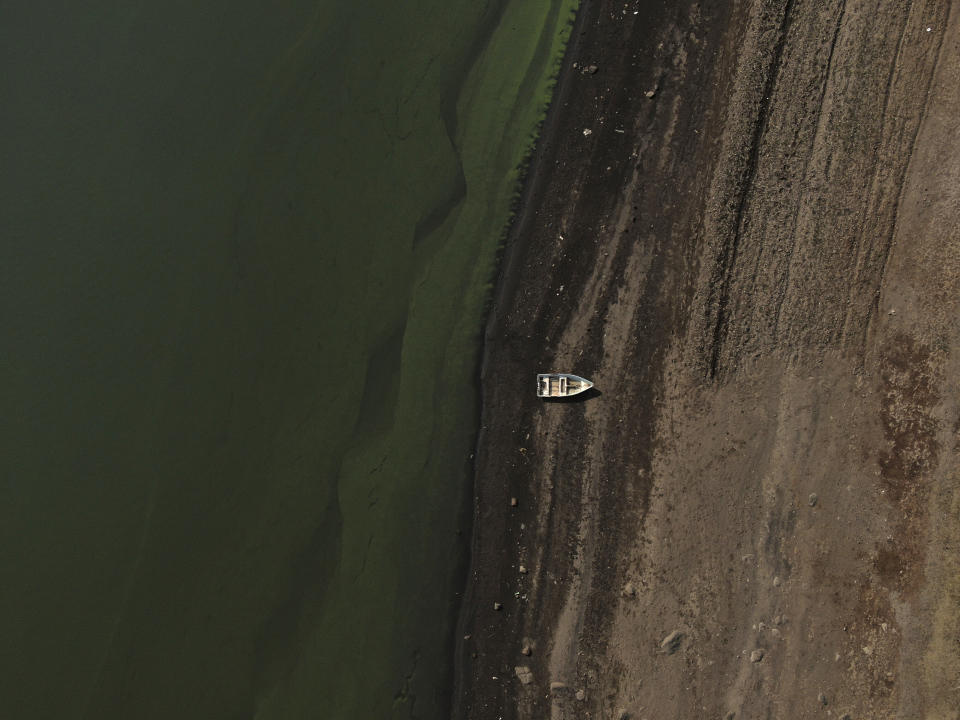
(541,80)
(525,167)
(493,108)
(523,172)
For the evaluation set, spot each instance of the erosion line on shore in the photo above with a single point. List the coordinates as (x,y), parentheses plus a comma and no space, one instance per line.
(860,282)
(729,250)
(818,125)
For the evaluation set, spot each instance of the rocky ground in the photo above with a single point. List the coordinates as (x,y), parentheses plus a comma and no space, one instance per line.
(742,226)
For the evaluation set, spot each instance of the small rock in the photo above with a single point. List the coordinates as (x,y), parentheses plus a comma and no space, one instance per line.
(557,685)
(587,132)
(524,674)
(522,569)
(845,716)
(730,715)
(756,656)
(671,642)
(623,715)
(498,606)
(776,581)
(580,695)
(526,650)
(812,500)
(629,590)
(514,502)
(649,94)
(822,699)
(590,70)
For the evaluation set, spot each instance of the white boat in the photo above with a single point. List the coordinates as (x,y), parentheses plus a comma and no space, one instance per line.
(559,385)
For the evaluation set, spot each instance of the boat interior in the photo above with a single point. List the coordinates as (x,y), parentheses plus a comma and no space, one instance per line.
(553,386)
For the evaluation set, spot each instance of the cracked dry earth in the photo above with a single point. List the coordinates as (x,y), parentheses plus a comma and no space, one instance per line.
(755,256)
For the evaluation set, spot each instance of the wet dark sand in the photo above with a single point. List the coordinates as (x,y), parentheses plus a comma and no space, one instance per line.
(757,265)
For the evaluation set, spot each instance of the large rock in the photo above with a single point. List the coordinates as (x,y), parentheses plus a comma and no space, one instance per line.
(671,643)
(524,674)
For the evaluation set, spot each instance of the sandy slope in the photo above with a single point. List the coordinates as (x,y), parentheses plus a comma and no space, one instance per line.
(761,273)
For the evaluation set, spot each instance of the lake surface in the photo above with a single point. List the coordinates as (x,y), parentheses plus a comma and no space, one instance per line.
(244,251)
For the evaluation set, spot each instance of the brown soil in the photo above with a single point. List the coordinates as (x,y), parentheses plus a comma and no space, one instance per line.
(759,268)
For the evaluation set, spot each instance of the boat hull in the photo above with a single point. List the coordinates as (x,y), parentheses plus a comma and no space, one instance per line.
(561,385)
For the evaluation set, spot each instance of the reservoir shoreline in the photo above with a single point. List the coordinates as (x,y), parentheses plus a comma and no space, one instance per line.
(505,277)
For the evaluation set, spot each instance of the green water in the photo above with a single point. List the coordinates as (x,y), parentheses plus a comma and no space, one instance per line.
(244,250)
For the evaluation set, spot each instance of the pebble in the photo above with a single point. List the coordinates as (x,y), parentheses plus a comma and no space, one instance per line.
(812,499)
(514,502)
(650,93)
(590,70)
(629,590)
(522,569)
(524,674)
(581,695)
(587,132)
(822,699)
(623,715)
(498,606)
(557,685)
(845,716)
(776,581)
(756,656)
(526,650)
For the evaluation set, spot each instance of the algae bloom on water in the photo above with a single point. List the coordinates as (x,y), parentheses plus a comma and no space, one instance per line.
(246,253)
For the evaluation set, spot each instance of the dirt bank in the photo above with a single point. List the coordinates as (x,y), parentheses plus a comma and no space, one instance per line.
(753,253)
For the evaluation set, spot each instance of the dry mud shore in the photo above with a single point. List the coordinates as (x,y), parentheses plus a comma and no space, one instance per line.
(759,266)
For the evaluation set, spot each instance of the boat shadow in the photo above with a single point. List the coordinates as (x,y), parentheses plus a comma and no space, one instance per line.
(578,398)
